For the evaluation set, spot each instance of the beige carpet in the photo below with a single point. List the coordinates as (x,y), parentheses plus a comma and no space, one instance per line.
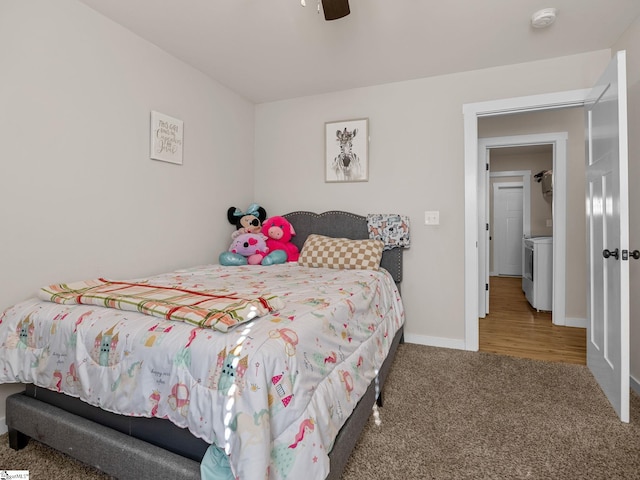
(450,414)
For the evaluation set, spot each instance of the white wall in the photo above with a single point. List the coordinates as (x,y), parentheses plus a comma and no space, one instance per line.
(630,42)
(79,195)
(416,164)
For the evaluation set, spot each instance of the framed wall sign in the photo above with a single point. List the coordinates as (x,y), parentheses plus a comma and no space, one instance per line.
(166,138)
(347,151)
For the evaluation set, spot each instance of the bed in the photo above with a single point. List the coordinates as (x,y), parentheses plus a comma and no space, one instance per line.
(154,421)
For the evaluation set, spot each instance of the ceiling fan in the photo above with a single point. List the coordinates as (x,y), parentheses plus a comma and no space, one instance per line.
(333,9)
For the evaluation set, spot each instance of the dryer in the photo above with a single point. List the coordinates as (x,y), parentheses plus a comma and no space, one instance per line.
(537,272)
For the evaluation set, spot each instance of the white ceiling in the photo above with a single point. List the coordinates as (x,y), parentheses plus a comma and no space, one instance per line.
(269,50)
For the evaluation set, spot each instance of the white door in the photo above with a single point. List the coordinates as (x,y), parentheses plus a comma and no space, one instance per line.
(608,235)
(508,215)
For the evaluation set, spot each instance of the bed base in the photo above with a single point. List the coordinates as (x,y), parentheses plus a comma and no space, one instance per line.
(108,450)
(116,450)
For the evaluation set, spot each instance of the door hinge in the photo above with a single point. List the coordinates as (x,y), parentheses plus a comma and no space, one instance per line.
(487,165)
(486,287)
(487,227)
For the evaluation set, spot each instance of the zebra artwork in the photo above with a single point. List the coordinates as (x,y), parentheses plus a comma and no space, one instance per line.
(347,164)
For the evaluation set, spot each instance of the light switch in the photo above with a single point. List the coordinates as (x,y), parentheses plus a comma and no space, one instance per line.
(432,218)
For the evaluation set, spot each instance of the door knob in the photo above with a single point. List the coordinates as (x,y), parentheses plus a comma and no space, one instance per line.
(636,254)
(614,254)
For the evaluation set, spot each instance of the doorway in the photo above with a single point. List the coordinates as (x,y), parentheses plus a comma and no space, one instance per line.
(514,174)
(512,325)
(612,321)
(507,211)
(557,143)
(472,241)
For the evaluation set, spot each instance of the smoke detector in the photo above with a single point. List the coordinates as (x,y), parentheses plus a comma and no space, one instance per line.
(543,18)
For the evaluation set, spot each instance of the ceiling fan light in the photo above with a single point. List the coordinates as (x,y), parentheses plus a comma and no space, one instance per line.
(543,18)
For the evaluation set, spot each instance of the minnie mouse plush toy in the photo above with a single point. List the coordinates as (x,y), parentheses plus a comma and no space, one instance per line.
(246,222)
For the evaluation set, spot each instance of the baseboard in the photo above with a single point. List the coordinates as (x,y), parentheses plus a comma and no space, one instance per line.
(635,384)
(434,341)
(575,322)
(3,426)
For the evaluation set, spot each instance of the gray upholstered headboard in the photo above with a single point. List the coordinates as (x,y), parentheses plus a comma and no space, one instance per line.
(341,225)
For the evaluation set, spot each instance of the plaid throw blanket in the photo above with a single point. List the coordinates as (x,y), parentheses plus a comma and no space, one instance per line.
(215,309)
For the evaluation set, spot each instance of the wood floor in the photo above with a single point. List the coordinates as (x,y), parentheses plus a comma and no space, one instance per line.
(515,328)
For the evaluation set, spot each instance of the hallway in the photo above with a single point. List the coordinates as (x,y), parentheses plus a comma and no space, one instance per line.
(514,328)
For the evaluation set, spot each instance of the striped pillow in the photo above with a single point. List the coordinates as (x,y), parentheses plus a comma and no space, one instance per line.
(321,251)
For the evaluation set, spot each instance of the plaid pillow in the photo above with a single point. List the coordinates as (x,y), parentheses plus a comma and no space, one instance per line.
(321,251)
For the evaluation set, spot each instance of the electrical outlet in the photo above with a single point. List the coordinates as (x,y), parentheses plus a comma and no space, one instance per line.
(432,218)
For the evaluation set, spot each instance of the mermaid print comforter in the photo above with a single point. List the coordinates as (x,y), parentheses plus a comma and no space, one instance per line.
(272,392)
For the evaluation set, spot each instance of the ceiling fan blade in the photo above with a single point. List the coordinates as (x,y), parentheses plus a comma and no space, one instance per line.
(334,9)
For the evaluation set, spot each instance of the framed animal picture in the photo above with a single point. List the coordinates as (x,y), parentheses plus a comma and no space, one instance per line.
(347,150)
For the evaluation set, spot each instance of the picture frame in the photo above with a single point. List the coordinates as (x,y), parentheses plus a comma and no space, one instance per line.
(347,151)
(166,138)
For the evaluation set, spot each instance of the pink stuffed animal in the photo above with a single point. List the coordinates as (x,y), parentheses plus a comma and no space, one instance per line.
(279,231)
(252,246)
(251,249)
